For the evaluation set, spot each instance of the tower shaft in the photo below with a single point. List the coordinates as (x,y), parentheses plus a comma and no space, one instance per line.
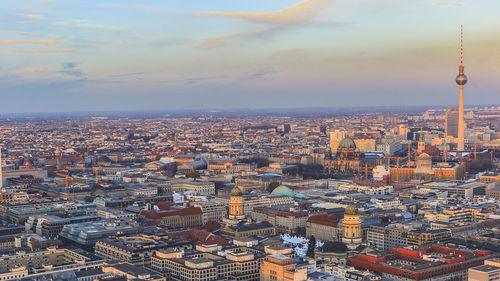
(461,124)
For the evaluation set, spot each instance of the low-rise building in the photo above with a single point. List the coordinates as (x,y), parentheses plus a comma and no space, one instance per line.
(323,227)
(249,229)
(132,249)
(209,262)
(427,263)
(281,268)
(32,264)
(212,211)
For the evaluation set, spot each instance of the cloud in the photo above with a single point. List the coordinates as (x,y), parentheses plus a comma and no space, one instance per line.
(126,6)
(30,42)
(81,23)
(301,13)
(38,51)
(219,41)
(126,74)
(195,80)
(32,70)
(449,4)
(23,33)
(260,74)
(70,68)
(268,23)
(35,17)
(190,81)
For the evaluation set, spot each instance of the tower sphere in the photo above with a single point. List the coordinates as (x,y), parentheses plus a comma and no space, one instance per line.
(461,79)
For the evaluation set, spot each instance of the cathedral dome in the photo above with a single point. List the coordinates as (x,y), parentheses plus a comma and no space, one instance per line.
(236,191)
(334,247)
(351,209)
(347,142)
(283,190)
(424,156)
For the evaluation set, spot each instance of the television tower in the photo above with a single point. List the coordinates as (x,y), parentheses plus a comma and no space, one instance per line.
(461,81)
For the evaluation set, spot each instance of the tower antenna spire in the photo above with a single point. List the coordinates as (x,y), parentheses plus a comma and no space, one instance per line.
(461,44)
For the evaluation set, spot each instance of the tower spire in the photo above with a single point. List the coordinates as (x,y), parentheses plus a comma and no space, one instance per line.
(461,44)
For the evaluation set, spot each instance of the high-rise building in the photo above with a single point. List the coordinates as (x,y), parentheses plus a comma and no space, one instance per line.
(403,131)
(451,123)
(335,138)
(461,81)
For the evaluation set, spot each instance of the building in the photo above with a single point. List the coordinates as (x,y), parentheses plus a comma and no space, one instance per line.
(281,268)
(236,206)
(491,177)
(425,170)
(50,226)
(365,145)
(129,272)
(484,273)
(285,220)
(122,202)
(249,229)
(421,263)
(209,262)
(85,235)
(352,234)
(175,217)
(200,187)
(13,196)
(348,159)
(323,227)
(465,190)
(212,211)
(431,236)
(384,237)
(332,252)
(37,263)
(133,249)
(335,138)
(451,123)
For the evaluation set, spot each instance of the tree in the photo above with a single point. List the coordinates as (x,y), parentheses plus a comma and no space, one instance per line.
(193,174)
(311,246)
(272,186)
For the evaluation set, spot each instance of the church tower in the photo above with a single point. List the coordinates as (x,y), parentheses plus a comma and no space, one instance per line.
(351,227)
(236,208)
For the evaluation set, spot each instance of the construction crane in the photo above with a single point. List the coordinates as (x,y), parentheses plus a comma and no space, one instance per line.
(64,176)
(95,169)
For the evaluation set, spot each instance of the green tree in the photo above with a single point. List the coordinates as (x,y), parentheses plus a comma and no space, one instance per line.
(311,246)
(486,164)
(193,174)
(272,186)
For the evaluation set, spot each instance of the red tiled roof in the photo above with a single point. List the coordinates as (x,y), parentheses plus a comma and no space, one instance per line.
(211,226)
(197,236)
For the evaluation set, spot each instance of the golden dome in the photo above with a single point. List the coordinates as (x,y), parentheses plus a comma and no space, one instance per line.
(351,209)
(236,191)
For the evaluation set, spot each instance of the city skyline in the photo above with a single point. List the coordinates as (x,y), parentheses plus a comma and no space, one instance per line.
(122,55)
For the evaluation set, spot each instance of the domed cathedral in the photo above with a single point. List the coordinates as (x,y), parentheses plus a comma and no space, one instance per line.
(236,208)
(236,212)
(348,159)
(352,234)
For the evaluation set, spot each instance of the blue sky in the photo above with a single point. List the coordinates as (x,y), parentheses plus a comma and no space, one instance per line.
(80,55)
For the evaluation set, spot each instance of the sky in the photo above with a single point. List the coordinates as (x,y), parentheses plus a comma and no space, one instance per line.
(89,55)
